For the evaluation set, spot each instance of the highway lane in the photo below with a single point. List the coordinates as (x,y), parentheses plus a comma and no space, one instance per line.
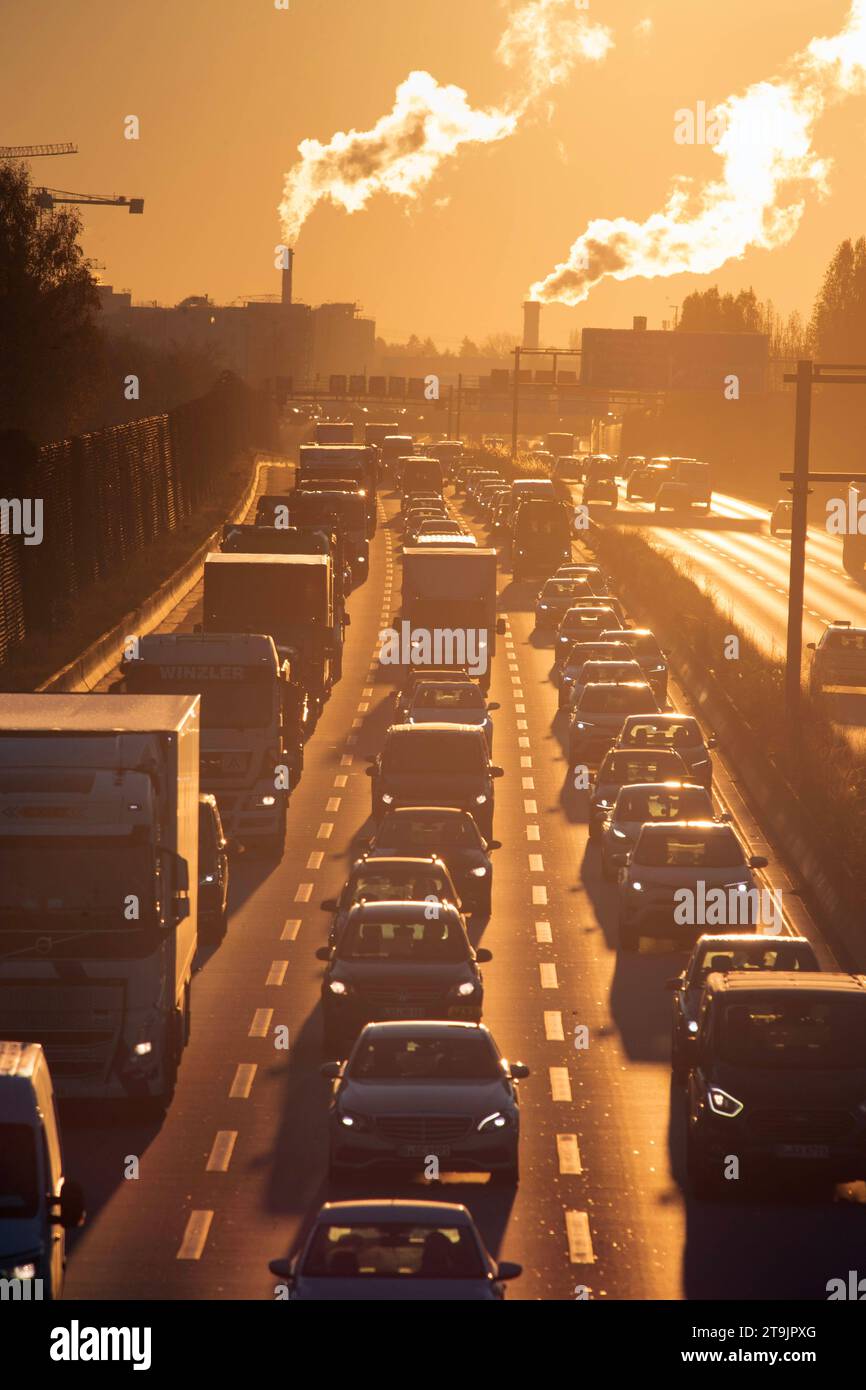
(228,1179)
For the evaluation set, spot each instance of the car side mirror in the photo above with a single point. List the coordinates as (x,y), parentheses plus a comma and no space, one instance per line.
(811,646)
(483,956)
(328,904)
(347,620)
(282,1269)
(758,861)
(493,704)
(712,741)
(497,772)
(330,1070)
(674,983)
(323,953)
(72,1210)
(619,860)
(370,771)
(500,627)
(726,817)
(519,1071)
(506,1269)
(492,845)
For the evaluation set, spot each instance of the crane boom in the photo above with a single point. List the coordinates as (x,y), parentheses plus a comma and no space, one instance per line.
(47,197)
(33,151)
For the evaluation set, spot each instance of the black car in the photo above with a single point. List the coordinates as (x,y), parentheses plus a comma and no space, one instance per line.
(778,1078)
(654,662)
(399,961)
(451,834)
(213,870)
(719,954)
(390,878)
(446,763)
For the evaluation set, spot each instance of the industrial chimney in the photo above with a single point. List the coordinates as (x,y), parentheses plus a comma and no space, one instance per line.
(531,325)
(287,279)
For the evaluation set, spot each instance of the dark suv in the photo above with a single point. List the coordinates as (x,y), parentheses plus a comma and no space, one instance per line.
(778,1077)
(435,765)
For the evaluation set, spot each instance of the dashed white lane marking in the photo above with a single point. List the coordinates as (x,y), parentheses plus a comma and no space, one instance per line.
(518,694)
(543,933)
(568,1153)
(243,1081)
(277,972)
(363,707)
(529,784)
(520,709)
(357,724)
(221,1153)
(315,859)
(526,760)
(351,740)
(523,742)
(340,780)
(560,1083)
(303,892)
(522,724)
(580,1251)
(553,1026)
(346,760)
(334,804)
(261,1023)
(539,895)
(547,974)
(291,929)
(530,808)
(367,691)
(536,864)
(195,1235)
(325,830)
(533,832)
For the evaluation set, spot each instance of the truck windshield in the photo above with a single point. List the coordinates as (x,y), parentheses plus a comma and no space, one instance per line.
(795,1031)
(441,751)
(225,704)
(19,1175)
(80,881)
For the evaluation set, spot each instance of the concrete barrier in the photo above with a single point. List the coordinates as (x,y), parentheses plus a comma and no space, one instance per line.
(88,669)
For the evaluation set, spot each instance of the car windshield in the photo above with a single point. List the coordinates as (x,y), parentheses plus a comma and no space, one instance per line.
(442,751)
(440,939)
(693,849)
(622,768)
(795,1031)
(393,1250)
(644,645)
(571,472)
(673,734)
(396,885)
(463,1057)
(19,1177)
(756,954)
(429,832)
(843,641)
(594,671)
(437,697)
(616,699)
(564,588)
(602,651)
(649,804)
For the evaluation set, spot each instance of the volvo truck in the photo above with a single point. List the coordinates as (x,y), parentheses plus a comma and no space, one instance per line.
(448,612)
(98,887)
(253,722)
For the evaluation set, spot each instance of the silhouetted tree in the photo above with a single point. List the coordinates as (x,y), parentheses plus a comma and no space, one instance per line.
(708,311)
(838,324)
(48,298)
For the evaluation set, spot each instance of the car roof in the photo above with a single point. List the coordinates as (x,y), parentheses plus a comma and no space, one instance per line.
(396,1209)
(424,1028)
(783,981)
(713,827)
(740,938)
(664,786)
(663,717)
(616,685)
(436,727)
(439,811)
(590,608)
(401,861)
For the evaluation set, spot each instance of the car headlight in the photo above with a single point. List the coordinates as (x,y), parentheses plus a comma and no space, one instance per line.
(722,1104)
(542,607)
(25,1271)
(361,559)
(658,669)
(338,987)
(479,872)
(636,887)
(498,1120)
(580,725)
(268,801)
(387,798)
(693,1027)
(602,805)
(350,1121)
(208,878)
(466,989)
(480,800)
(620,834)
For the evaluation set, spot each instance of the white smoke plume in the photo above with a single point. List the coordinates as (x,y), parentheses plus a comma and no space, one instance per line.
(429,123)
(768,166)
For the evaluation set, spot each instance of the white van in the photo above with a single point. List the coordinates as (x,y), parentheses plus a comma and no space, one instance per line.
(37,1204)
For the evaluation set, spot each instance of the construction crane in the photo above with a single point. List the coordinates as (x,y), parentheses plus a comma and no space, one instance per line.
(33,151)
(47,198)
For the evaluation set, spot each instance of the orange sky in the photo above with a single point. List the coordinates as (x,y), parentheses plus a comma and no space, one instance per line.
(225,90)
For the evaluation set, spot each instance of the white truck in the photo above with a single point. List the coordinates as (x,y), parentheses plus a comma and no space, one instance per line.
(449,609)
(98,887)
(252,722)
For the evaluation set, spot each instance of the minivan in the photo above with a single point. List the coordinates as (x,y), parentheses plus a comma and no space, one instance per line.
(38,1203)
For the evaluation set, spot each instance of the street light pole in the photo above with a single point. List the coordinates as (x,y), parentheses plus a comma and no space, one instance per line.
(457,433)
(516,412)
(800,491)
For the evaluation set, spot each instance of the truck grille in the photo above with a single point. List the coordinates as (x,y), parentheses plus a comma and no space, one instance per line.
(76,1024)
(802,1125)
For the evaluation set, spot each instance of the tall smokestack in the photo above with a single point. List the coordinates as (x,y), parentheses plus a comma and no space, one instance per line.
(287,279)
(531,324)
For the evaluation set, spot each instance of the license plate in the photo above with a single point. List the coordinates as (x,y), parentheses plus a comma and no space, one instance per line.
(423,1151)
(403,1011)
(803,1151)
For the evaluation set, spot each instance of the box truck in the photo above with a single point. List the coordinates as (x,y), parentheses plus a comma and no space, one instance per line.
(253,722)
(289,597)
(98,887)
(325,461)
(448,611)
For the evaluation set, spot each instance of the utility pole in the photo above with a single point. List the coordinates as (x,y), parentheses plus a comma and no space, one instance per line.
(516,411)
(457,432)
